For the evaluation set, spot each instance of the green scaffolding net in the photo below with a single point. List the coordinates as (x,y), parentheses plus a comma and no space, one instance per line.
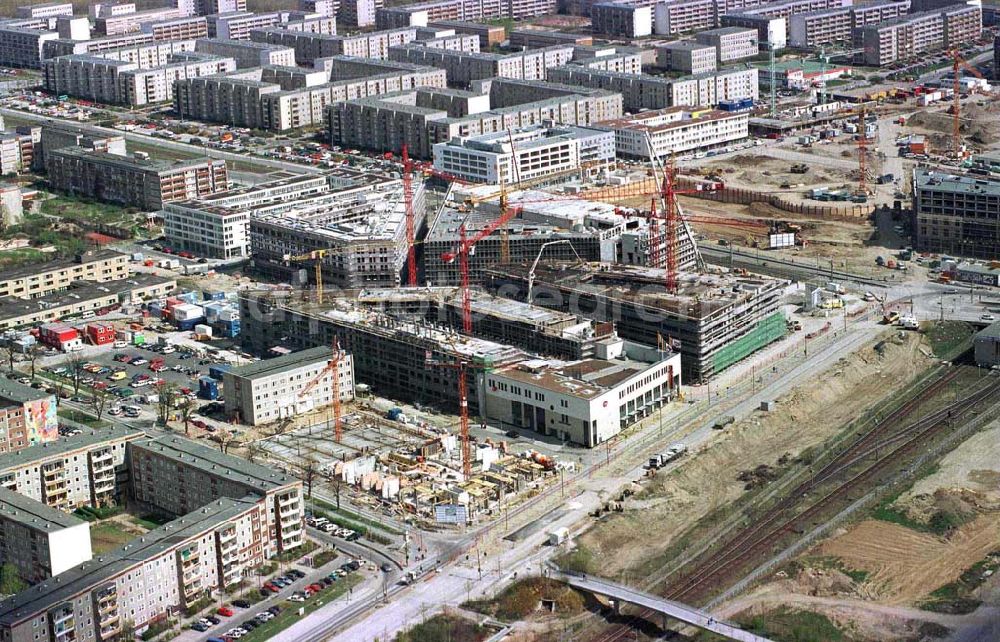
(770,329)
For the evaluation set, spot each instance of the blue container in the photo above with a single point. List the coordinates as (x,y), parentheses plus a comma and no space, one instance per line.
(214,295)
(208,388)
(394,413)
(189,324)
(229,328)
(189,297)
(155,309)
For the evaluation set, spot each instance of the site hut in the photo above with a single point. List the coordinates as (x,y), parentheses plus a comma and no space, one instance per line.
(585,402)
(278,388)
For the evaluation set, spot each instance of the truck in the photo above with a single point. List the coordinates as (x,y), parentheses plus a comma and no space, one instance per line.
(799,168)
(655,462)
(722,422)
(674,452)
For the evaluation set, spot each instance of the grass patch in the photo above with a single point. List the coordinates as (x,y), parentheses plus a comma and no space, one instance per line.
(790,625)
(92,514)
(298,552)
(580,559)
(522,598)
(941,523)
(23,256)
(87,210)
(444,627)
(149,522)
(956,597)
(948,339)
(289,615)
(351,515)
(157,628)
(361,529)
(324,557)
(108,536)
(80,417)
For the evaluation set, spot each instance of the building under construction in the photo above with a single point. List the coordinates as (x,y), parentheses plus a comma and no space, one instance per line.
(568,226)
(714,320)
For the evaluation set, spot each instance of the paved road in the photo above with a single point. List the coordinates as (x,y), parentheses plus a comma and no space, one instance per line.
(675,610)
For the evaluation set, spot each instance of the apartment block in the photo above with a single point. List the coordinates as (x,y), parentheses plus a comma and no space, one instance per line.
(283,387)
(72,471)
(687,57)
(38,540)
(676,130)
(525,154)
(310,47)
(535,38)
(586,402)
(622,19)
(785,9)
(21,47)
(956,215)
(328,8)
(673,17)
(237,25)
(136,180)
(45,10)
(37,280)
(178,476)
(311,24)
(489,35)
(189,28)
(423,13)
(421,118)
(17,149)
(357,13)
(118,23)
(771,31)
(732,44)
(167,569)
(463,68)
(916,33)
(248,54)
(839,25)
(209,7)
(642,91)
(282,98)
(64,47)
(206,231)
(104,79)
(29,417)
(623,59)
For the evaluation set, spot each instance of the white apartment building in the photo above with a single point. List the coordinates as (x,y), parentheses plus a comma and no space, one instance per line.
(286,386)
(248,54)
(524,154)
(39,540)
(586,402)
(206,230)
(237,25)
(731,43)
(687,57)
(675,130)
(682,16)
(622,19)
(713,87)
(45,10)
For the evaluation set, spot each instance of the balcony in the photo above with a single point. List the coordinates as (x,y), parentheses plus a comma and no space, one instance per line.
(101,456)
(288,500)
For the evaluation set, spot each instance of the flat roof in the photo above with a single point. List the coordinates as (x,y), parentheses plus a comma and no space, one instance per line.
(20,393)
(89,575)
(34,514)
(637,122)
(78,292)
(214,462)
(60,264)
(992,331)
(585,379)
(277,365)
(946,182)
(133,162)
(84,441)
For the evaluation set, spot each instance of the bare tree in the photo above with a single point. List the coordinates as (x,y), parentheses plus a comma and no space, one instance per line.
(254,450)
(225,439)
(187,408)
(74,365)
(166,396)
(308,470)
(34,352)
(9,351)
(337,483)
(99,402)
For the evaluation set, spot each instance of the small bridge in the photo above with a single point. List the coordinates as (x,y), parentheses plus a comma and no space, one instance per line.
(675,610)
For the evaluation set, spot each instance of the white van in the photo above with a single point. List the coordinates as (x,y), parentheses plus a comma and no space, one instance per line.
(89,314)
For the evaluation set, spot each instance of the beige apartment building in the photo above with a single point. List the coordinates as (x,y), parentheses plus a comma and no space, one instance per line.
(732,44)
(36,280)
(913,34)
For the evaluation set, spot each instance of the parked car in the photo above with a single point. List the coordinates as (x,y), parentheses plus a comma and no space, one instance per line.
(243,604)
(225,611)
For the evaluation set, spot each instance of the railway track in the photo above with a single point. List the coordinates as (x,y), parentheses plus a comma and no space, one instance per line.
(887,442)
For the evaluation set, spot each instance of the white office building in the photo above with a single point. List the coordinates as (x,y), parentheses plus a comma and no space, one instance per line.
(586,402)
(286,386)
(675,130)
(210,231)
(525,154)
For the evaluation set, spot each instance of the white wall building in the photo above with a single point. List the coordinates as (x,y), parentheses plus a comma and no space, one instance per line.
(214,232)
(525,154)
(279,388)
(586,402)
(675,130)
(39,540)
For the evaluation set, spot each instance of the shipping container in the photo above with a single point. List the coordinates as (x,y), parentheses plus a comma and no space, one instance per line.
(189,324)
(208,388)
(218,370)
(214,295)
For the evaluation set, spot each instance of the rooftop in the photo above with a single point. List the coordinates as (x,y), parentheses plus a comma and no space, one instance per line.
(83,441)
(992,331)
(87,576)
(132,162)
(669,118)
(586,379)
(11,274)
(19,393)
(34,514)
(288,362)
(214,462)
(926,179)
(78,292)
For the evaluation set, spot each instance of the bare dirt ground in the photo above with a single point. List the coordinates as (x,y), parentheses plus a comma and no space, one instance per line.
(760,171)
(979,124)
(628,544)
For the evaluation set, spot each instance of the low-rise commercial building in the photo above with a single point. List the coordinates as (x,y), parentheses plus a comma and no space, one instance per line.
(585,402)
(38,540)
(284,387)
(526,154)
(675,130)
(686,57)
(956,214)
(134,180)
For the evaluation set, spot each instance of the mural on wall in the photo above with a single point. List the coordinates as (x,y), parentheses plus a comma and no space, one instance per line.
(40,421)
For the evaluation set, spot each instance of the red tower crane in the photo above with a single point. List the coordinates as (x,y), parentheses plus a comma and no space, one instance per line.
(463,404)
(411,259)
(333,367)
(673,218)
